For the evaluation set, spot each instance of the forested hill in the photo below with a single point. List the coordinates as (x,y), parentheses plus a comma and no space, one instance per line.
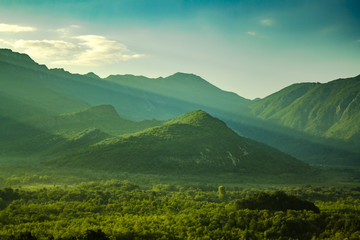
(330,110)
(192,143)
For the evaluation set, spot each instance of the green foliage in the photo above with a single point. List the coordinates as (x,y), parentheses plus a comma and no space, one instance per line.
(122,210)
(222,192)
(7,195)
(94,235)
(277,201)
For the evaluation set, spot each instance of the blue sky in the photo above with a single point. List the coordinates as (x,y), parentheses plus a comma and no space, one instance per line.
(250,47)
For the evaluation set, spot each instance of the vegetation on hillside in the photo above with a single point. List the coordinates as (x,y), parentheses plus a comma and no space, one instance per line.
(122,210)
(192,143)
(36,96)
(328,110)
(73,168)
(103,117)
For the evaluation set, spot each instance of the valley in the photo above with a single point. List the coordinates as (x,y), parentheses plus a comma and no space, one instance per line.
(79,152)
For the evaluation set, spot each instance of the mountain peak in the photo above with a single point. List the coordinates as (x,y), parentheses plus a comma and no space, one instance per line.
(198,118)
(19,59)
(184,76)
(9,53)
(181,74)
(92,75)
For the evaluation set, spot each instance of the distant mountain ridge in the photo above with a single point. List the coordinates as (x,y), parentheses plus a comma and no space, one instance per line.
(102,117)
(134,97)
(317,123)
(184,91)
(181,86)
(7,56)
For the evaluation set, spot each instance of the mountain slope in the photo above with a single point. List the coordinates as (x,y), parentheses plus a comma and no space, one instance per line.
(61,134)
(189,88)
(191,143)
(24,81)
(103,117)
(265,108)
(329,110)
(295,120)
(135,97)
(21,140)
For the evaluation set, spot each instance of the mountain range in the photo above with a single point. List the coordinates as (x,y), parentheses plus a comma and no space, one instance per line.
(134,97)
(76,120)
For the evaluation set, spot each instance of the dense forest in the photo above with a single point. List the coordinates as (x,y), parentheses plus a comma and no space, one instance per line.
(115,209)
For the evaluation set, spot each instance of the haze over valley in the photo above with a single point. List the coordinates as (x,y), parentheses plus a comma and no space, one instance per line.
(194,120)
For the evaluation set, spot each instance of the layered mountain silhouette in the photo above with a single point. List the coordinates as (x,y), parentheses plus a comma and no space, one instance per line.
(317,123)
(102,117)
(188,90)
(134,97)
(63,133)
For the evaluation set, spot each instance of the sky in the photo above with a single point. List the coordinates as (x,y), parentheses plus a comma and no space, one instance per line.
(250,47)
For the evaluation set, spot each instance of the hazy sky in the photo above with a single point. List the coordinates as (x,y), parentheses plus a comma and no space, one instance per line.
(250,47)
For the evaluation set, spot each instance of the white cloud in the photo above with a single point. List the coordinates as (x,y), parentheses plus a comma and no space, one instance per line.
(67,30)
(81,50)
(132,56)
(85,50)
(5,44)
(251,33)
(266,22)
(96,50)
(15,28)
(75,26)
(44,49)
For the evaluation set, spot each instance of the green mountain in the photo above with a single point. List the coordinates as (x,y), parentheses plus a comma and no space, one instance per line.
(26,82)
(19,137)
(190,89)
(21,140)
(103,117)
(191,143)
(135,97)
(329,110)
(317,123)
(64,133)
